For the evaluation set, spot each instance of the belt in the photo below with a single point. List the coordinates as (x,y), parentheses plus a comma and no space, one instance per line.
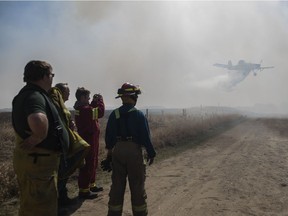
(119,138)
(36,155)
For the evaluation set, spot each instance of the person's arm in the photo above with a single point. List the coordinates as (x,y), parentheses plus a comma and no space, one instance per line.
(98,103)
(110,132)
(38,124)
(146,139)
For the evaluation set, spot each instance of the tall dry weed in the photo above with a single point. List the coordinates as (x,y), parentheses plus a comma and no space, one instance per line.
(7,141)
(8,182)
(172,130)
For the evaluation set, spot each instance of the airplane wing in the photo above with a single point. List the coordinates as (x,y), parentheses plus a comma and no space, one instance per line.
(221,65)
(266,67)
(262,68)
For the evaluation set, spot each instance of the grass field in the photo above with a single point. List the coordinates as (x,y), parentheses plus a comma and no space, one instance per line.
(168,132)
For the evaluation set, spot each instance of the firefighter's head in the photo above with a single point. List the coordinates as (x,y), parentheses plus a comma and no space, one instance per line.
(39,73)
(64,89)
(129,93)
(82,95)
(36,70)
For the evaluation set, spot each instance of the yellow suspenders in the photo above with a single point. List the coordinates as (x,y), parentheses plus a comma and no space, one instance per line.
(95,113)
(117,113)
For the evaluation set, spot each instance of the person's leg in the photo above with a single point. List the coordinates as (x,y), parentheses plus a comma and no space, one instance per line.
(85,174)
(37,178)
(119,175)
(136,176)
(93,185)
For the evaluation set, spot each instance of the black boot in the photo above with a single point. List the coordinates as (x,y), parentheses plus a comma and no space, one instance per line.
(87,195)
(96,189)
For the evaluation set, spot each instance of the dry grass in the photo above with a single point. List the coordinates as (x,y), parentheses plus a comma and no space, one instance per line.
(166,130)
(174,130)
(8,183)
(277,124)
(7,141)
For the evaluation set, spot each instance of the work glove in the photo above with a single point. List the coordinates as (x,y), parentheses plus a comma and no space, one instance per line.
(150,160)
(106,164)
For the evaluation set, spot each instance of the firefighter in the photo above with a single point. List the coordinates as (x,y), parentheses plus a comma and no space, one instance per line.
(78,147)
(86,119)
(127,132)
(41,137)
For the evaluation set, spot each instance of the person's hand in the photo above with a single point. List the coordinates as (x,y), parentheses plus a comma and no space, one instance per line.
(30,142)
(97,97)
(72,125)
(150,160)
(106,164)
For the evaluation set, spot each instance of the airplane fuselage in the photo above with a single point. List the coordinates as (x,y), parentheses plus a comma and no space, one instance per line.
(242,66)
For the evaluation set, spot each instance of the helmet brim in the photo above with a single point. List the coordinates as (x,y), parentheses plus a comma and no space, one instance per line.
(127,94)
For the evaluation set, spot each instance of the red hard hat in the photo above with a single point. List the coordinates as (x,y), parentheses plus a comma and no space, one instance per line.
(128,89)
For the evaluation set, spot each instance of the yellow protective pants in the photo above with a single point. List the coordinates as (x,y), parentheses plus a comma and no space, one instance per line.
(128,162)
(37,178)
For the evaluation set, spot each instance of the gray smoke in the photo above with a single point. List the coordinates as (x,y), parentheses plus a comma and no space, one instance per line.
(167,47)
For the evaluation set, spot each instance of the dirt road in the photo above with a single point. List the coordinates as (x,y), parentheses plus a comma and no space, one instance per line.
(242,171)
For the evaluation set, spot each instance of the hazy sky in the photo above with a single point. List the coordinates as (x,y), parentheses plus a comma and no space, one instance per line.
(166,47)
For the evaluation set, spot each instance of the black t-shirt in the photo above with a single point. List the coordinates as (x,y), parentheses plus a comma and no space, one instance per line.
(33,99)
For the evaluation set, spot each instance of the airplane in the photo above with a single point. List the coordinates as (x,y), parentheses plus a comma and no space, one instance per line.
(243,67)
